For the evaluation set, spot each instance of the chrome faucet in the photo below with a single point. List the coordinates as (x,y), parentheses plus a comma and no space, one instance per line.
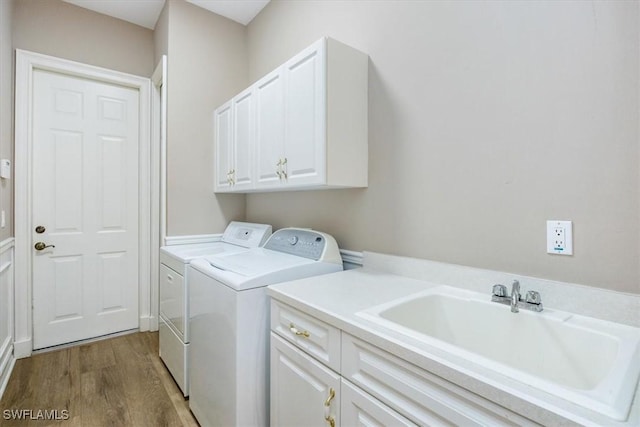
(532,300)
(515,296)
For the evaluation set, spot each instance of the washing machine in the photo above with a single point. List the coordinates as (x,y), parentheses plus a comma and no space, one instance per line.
(174,291)
(229,322)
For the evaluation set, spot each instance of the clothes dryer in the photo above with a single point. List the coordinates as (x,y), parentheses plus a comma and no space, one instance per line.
(229,322)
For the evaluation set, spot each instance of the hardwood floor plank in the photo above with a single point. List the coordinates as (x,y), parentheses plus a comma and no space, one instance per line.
(104,401)
(149,402)
(115,382)
(96,355)
(180,405)
(54,391)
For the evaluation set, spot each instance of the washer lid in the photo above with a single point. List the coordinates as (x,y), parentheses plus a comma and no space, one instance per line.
(257,262)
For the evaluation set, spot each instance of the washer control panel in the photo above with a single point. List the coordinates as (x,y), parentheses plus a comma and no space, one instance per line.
(295,241)
(246,234)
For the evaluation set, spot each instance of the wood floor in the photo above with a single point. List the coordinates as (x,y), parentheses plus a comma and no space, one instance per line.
(116,382)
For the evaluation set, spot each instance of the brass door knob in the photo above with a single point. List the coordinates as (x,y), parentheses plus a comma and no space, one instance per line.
(41,246)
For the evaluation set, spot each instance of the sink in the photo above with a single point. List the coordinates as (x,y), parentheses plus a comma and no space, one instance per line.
(589,362)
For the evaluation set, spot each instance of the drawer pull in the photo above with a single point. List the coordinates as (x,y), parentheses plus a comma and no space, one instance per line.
(295,330)
(327,407)
(332,394)
(331,421)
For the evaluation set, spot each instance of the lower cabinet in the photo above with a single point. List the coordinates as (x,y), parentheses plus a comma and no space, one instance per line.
(365,386)
(303,391)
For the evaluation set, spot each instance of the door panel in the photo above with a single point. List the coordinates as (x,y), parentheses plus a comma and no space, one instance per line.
(224,139)
(305,101)
(269,128)
(85,193)
(243,141)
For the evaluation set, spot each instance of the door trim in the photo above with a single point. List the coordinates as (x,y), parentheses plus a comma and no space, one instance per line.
(158,181)
(26,63)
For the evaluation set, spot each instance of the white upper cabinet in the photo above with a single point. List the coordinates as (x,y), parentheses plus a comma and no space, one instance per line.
(224,145)
(309,124)
(234,135)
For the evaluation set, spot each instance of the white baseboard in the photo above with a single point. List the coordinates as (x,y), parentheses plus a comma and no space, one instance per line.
(351,257)
(22,349)
(148,323)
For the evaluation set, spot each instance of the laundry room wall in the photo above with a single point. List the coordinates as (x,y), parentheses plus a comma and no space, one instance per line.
(6,193)
(207,65)
(6,112)
(57,28)
(485,120)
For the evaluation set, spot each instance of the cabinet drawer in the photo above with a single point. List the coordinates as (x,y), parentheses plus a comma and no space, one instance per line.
(317,338)
(424,398)
(361,409)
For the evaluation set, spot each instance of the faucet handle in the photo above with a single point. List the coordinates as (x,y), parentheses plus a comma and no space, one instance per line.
(533,297)
(500,290)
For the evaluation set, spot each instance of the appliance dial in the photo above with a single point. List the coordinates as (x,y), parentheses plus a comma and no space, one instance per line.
(293,240)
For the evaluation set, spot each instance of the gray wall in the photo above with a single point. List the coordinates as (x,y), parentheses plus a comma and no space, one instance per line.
(60,29)
(6,112)
(485,119)
(207,65)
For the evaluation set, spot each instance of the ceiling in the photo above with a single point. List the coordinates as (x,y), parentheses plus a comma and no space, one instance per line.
(146,12)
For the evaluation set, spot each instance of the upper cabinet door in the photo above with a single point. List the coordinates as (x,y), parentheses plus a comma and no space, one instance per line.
(243,141)
(223,129)
(305,116)
(269,94)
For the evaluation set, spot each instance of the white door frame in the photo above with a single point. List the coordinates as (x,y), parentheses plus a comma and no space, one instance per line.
(159,178)
(26,63)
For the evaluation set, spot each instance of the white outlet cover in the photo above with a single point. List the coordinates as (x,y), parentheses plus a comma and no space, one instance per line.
(560,237)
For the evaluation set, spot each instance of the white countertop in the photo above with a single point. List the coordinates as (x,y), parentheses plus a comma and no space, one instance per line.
(336,298)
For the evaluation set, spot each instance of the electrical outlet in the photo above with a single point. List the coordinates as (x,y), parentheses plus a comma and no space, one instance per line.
(560,237)
(3,220)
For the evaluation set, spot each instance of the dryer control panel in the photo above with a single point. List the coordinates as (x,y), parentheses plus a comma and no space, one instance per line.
(300,242)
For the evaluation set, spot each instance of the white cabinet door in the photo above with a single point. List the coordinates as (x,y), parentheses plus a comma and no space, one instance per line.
(361,409)
(305,116)
(241,173)
(301,388)
(269,94)
(223,123)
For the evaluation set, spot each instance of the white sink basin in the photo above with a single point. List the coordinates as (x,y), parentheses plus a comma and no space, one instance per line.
(590,362)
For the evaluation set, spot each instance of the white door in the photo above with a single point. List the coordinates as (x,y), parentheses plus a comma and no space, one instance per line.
(305,111)
(85,198)
(269,129)
(303,391)
(243,135)
(223,124)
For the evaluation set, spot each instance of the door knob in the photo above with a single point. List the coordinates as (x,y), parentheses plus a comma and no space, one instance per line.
(41,245)
(40,229)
